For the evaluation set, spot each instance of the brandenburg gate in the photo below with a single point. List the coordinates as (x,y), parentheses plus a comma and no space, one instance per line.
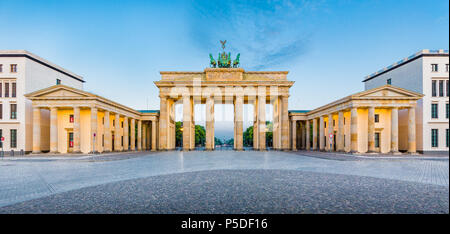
(224,85)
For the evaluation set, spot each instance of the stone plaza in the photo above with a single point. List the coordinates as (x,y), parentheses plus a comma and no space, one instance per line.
(224,182)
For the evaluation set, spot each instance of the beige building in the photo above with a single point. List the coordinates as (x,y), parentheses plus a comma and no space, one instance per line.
(22,72)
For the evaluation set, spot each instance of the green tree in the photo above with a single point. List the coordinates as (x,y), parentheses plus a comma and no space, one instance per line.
(178,134)
(230,141)
(200,135)
(248,136)
(217,141)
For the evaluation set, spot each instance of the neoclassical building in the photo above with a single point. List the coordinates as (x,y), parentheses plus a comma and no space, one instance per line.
(80,121)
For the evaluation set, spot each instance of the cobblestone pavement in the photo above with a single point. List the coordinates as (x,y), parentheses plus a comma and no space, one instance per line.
(246,191)
(23,179)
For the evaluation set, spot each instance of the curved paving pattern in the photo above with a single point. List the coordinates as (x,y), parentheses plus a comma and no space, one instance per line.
(26,179)
(246,191)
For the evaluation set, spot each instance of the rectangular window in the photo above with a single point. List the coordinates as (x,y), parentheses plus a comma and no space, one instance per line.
(13,67)
(377,140)
(1,135)
(324,124)
(122,141)
(13,89)
(446,88)
(434,67)
(58,81)
(377,118)
(114,122)
(334,124)
(446,67)
(70,118)
(434,110)
(103,140)
(344,140)
(389,81)
(1,89)
(13,138)
(1,67)
(433,88)
(434,138)
(122,124)
(103,120)
(6,89)
(13,111)
(446,111)
(446,132)
(441,88)
(344,120)
(1,111)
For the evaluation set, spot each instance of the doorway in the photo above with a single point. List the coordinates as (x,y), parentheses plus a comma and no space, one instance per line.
(70,142)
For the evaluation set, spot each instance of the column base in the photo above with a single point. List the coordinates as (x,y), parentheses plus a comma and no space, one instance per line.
(396,153)
(239,149)
(413,153)
(36,152)
(53,152)
(76,152)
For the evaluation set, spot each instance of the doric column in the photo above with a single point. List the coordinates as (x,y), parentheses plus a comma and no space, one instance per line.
(239,105)
(94,130)
(354,130)
(412,130)
(117,138)
(294,135)
(255,124)
(262,118)
(144,136)
(76,130)
(209,144)
(308,144)
(314,144)
(284,123)
(153,135)
(139,140)
(371,129)
(192,124)
(340,132)
(394,130)
(163,124)
(125,133)
(36,130)
(187,112)
(301,136)
(276,123)
(321,133)
(133,135)
(53,130)
(107,132)
(330,132)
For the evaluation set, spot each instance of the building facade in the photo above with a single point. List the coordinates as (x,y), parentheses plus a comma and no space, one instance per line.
(22,72)
(62,118)
(425,72)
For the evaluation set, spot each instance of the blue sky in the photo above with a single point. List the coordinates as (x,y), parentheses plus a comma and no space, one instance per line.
(328,46)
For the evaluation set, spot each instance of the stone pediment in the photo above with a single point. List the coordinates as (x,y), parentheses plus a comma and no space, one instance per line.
(59,91)
(386,92)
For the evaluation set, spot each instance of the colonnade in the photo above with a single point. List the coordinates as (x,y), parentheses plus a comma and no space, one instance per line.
(238,99)
(354,130)
(113,132)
